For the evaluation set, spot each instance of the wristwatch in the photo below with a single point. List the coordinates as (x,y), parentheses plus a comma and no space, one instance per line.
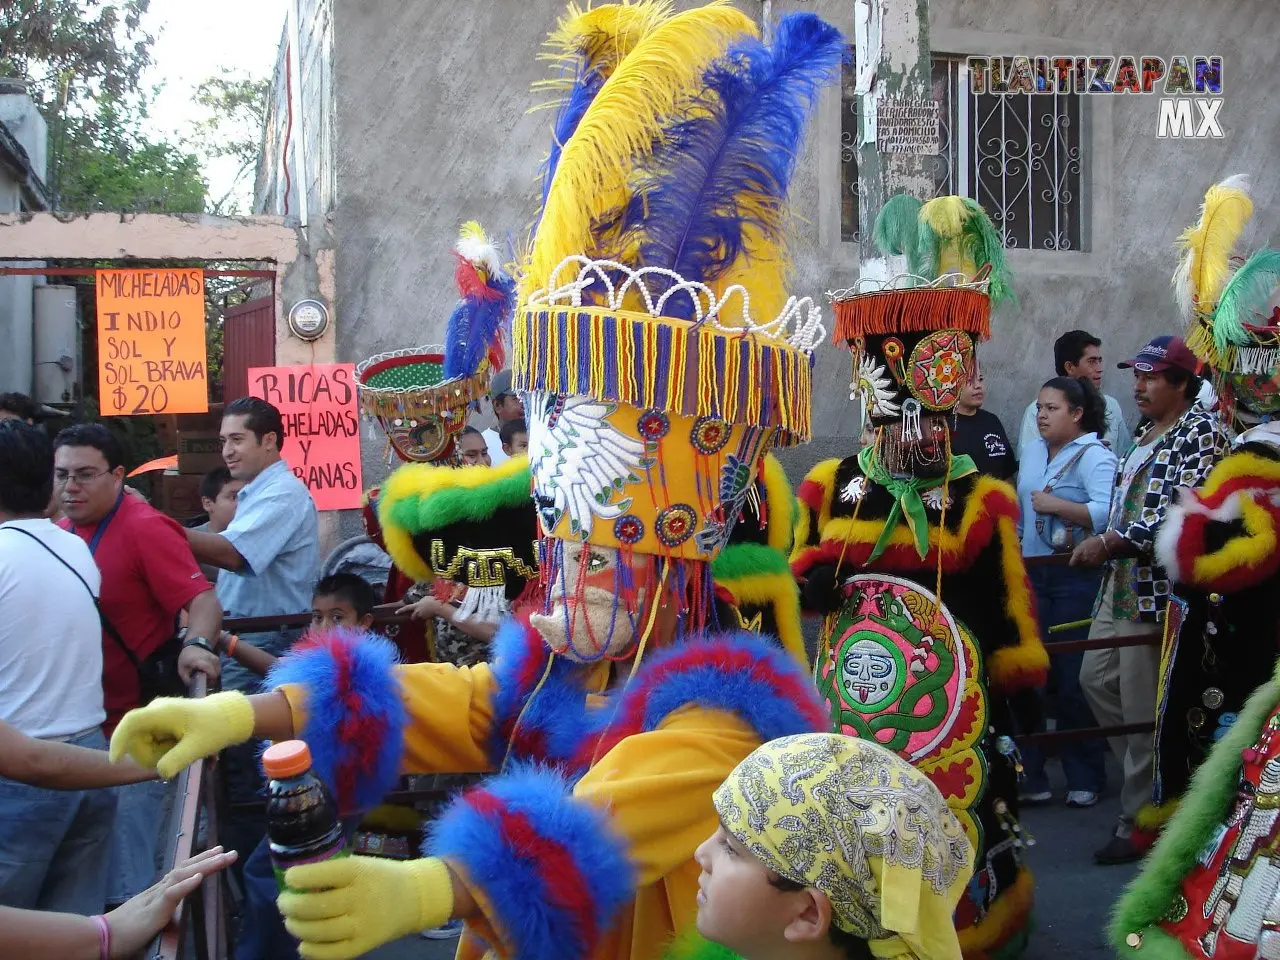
(200,642)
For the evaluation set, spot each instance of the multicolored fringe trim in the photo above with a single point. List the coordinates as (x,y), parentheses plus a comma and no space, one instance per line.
(665,364)
(552,863)
(419,399)
(912,310)
(541,714)
(355,716)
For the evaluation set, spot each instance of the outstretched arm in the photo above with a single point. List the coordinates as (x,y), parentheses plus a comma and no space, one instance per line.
(61,766)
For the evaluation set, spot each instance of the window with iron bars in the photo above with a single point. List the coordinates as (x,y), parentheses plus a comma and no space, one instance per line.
(1022,157)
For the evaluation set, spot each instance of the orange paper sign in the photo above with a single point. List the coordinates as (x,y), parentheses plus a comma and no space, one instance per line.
(321,427)
(151,348)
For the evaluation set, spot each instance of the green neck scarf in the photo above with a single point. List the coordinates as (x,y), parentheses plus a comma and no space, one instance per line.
(906,497)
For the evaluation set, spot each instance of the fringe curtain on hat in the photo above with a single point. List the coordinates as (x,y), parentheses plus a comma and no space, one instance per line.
(622,125)
(912,310)
(672,366)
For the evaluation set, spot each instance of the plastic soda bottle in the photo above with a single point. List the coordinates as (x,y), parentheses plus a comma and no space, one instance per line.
(303,825)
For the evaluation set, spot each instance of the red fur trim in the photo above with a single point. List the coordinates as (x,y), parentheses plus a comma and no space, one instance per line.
(901,557)
(812,494)
(794,689)
(567,889)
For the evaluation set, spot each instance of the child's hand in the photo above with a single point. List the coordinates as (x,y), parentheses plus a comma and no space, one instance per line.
(426,609)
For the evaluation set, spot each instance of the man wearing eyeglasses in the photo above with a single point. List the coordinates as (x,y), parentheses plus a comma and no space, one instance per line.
(149,576)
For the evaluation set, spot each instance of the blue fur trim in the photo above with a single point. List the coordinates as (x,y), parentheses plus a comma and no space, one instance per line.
(557,715)
(357,753)
(775,697)
(517,878)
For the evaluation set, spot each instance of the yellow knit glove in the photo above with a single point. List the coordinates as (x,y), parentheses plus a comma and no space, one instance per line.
(345,907)
(170,733)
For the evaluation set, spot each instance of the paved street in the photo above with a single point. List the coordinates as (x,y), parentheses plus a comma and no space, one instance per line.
(1073,896)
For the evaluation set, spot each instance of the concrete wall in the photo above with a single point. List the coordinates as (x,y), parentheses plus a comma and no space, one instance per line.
(432,127)
(309,126)
(17,309)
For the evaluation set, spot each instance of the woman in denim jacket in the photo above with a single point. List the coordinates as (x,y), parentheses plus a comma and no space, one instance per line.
(1064,490)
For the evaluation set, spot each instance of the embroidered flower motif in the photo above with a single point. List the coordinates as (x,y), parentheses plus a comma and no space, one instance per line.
(629,529)
(710,434)
(653,425)
(855,490)
(874,388)
(675,524)
(933,499)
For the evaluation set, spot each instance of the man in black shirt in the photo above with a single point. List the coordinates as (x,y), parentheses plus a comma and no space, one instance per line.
(980,433)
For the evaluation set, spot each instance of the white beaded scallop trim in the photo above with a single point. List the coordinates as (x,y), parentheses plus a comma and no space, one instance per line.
(907,281)
(802,311)
(364,365)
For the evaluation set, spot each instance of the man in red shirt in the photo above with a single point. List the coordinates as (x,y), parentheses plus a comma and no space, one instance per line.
(148,577)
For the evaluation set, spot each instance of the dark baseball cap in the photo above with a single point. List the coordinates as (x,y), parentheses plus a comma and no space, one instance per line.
(1163,353)
(500,385)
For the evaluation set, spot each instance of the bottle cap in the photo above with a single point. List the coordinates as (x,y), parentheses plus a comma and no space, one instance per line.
(286,759)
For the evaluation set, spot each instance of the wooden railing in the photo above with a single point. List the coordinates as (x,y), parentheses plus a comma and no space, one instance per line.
(200,921)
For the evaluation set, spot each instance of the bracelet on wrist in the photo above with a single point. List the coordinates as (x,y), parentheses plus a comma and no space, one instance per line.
(104,936)
(1106,547)
(200,642)
(232,641)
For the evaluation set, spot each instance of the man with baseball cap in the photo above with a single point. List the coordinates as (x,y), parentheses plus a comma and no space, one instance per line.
(506,406)
(1175,445)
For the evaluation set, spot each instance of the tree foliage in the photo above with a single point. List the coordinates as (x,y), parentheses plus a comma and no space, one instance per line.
(235,110)
(68,49)
(105,162)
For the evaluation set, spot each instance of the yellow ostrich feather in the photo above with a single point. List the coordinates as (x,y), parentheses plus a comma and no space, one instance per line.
(946,217)
(1205,249)
(599,38)
(627,115)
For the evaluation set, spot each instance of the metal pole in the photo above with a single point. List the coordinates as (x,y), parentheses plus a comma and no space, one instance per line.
(295,104)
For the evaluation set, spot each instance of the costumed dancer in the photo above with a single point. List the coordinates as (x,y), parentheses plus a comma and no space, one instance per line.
(471,530)
(421,398)
(1211,885)
(752,573)
(610,717)
(1218,542)
(931,639)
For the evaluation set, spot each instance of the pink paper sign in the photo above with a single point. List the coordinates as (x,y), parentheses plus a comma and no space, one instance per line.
(321,427)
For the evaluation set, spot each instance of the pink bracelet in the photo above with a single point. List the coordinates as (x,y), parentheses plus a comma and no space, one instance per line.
(104,937)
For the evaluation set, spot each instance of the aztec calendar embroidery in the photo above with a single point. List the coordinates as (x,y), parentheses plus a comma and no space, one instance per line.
(938,368)
(902,671)
(580,462)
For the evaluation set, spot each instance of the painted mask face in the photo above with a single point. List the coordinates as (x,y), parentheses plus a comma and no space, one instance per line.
(588,614)
(418,441)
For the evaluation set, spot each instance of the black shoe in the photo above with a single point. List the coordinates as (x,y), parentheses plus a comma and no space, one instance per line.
(1118,850)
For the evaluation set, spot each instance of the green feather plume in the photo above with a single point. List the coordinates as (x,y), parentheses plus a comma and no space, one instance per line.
(982,245)
(691,946)
(897,232)
(1244,299)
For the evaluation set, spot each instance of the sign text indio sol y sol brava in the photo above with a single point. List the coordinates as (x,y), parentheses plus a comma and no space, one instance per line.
(152,356)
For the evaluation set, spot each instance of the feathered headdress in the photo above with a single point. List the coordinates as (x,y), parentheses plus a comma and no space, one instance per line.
(1233,324)
(913,337)
(652,389)
(420,395)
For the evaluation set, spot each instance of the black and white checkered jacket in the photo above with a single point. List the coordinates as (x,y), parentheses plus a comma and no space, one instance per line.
(1183,457)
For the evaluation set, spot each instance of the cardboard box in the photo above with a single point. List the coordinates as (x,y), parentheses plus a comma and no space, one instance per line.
(178,495)
(198,453)
(169,426)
